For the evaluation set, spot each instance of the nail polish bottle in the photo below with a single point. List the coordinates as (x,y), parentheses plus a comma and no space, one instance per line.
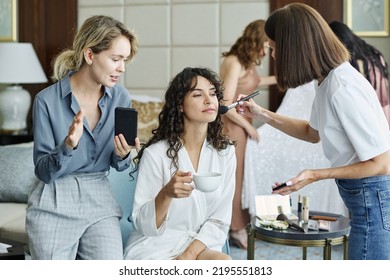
(299,207)
(305,209)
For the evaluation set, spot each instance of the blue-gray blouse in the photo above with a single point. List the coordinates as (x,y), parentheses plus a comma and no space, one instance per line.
(53,111)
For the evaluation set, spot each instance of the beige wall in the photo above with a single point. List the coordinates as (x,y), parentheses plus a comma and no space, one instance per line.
(174,34)
(178,33)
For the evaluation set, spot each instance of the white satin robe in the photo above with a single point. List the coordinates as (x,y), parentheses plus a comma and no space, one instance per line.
(202,216)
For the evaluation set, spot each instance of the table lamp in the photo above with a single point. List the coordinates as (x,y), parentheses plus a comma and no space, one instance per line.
(19,64)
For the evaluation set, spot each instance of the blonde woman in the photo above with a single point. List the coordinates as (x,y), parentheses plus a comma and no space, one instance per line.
(71,212)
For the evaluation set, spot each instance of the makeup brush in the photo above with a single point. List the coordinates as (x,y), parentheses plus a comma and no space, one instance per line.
(224,109)
(282,217)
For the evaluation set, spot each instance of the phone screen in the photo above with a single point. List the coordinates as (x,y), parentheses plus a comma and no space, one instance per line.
(126,123)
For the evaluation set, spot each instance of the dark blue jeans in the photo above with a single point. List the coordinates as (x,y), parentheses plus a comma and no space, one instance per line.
(368,201)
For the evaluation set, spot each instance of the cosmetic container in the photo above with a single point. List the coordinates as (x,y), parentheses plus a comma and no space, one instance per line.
(299,207)
(305,209)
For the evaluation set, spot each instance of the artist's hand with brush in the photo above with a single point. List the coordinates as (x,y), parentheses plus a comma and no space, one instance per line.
(251,109)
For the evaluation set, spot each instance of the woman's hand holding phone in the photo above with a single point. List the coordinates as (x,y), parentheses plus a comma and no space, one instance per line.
(126,124)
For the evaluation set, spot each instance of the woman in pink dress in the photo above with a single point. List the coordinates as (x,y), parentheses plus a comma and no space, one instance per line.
(238,71)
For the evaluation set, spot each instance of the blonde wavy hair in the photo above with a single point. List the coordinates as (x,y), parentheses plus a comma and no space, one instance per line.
(97,34)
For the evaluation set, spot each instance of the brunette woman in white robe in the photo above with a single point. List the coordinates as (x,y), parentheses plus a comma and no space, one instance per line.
(174,220)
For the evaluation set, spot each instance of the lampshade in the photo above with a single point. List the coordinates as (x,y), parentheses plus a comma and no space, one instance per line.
(19,64)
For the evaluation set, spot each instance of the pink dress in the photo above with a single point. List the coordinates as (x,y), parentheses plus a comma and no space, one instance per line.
(246,85)
(382,91)
(381,86)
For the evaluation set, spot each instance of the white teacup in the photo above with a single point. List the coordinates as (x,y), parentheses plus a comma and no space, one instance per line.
(207,182)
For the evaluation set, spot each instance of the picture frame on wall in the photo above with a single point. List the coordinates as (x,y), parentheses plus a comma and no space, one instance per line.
(368,18)
(8,21)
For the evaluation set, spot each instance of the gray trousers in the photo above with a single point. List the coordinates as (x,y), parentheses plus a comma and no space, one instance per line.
(75,217)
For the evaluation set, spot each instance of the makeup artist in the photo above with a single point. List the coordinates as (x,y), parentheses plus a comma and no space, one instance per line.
(346,116)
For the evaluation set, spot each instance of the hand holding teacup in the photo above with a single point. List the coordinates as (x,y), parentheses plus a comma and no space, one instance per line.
(180,185)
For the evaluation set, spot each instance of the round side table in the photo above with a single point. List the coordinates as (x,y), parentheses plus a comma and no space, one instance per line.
(337,234)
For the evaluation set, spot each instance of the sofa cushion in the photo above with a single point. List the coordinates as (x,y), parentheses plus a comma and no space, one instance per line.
(11,211)
(16,172)
(12,221)
(123,187)
(15,230)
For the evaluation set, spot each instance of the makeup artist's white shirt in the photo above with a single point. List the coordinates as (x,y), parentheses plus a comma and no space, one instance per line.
(349,118)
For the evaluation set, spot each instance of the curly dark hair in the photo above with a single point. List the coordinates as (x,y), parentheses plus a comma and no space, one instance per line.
(171,119)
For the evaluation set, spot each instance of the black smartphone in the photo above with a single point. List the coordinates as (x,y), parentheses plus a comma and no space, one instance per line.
(280,186)
(126,123)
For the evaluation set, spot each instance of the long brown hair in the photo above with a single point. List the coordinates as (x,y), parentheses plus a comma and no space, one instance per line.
(305,47)
(248,46)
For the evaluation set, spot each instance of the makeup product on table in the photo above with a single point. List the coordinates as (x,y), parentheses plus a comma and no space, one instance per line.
(318,225)
(305,209)
(299,207)
(282,217)
(324,218)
